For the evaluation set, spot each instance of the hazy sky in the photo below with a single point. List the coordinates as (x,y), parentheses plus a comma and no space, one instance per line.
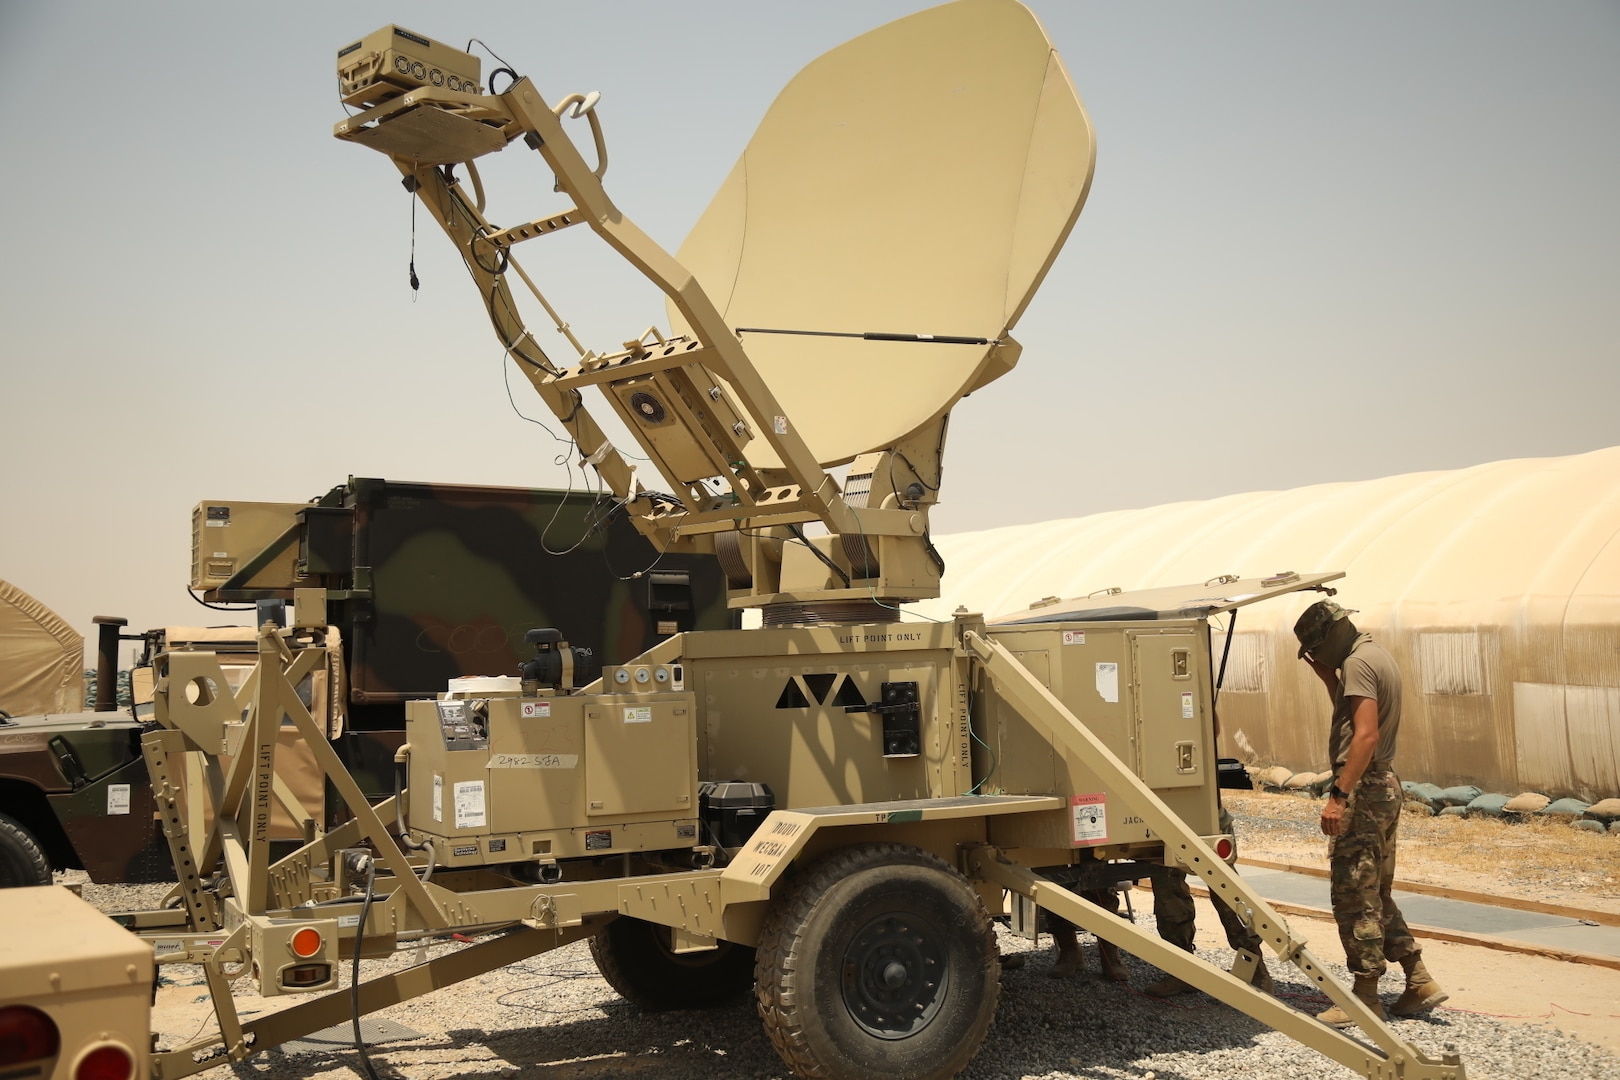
(1324,242)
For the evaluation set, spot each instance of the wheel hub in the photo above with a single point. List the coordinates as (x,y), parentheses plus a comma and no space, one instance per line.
(895,975)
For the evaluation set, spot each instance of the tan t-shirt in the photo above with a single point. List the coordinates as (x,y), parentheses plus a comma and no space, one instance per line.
(1370,672)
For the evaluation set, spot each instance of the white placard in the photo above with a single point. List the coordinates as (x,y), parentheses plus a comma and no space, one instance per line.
(536,709)
(1074,637)
(1186,705)
(1090,816)
(533,761)
(638,714)
(117,799)
(438,797)
(1108,682)
(469,795)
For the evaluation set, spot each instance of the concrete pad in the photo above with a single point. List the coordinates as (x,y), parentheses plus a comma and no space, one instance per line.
(1599,940)
(1289,888)
(1474,918)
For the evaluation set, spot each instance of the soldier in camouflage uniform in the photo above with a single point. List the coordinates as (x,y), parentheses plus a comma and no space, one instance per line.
(1174,914)
(1363,808)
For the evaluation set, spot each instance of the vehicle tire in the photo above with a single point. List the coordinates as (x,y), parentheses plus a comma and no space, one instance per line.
(22,859)
(879,961)
(636,959)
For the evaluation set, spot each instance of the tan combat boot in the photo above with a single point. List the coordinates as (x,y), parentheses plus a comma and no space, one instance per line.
(1169,986)
(1422,993)
(1366,988)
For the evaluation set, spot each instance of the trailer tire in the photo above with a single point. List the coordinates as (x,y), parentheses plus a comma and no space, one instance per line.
(636,959)
(879,961)
(22,859)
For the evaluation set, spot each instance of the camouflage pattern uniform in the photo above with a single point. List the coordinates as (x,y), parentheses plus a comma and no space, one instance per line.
(1173,908)
(1362,858)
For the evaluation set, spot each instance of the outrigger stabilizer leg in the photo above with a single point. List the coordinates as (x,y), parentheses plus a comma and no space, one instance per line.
(1390,1057)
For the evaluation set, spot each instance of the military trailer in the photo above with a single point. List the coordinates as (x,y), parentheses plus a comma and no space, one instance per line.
(75,1002)
(826,811)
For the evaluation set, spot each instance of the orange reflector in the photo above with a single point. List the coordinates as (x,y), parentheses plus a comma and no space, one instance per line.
(306,943)
(110,1062)
(1223,847)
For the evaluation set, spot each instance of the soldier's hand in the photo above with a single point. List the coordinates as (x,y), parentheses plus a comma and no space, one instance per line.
(1333,817)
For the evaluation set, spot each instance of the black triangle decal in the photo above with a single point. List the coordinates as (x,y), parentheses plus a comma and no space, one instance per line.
(849,697)
(819,685)
(792,697)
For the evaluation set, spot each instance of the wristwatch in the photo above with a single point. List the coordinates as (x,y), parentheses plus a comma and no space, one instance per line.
(1335,793)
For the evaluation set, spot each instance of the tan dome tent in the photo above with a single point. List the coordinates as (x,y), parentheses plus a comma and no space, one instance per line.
(1496,587)
(41,657)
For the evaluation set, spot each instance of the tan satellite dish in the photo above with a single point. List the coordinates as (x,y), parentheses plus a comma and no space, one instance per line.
(919,180)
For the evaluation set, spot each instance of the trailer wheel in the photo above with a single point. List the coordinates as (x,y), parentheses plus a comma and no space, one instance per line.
(636,959)
(879,961)
(22,860)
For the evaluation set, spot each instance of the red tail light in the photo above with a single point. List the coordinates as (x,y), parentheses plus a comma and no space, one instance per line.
(1223,847)
(108,1062)
(26,1034)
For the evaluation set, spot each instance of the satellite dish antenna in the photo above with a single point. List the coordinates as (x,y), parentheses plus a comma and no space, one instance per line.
(919,179)
(856,275)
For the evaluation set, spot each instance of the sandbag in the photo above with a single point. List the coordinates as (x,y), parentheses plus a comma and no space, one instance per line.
(1321,782)
(1417,806)
(1487,806)
(1426,793)
(1589,826)
(1604,810)
(1274,777)
(1454,811)
(1566,808)
(1530,802)
(1460,796)
(1300,781)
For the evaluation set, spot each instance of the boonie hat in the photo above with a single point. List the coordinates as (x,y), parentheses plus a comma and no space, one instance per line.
(1314,623)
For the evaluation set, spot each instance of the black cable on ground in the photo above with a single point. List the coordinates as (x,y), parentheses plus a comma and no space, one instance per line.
(354,980)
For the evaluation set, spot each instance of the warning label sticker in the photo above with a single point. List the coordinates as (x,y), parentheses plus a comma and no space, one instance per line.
(534,709)
(638,714)
(1186,705)
(1090,819)
(1074,637)
(469,796)
(117,799)
(438,797)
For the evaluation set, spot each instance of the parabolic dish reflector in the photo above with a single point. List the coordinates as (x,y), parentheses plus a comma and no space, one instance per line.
(918,179)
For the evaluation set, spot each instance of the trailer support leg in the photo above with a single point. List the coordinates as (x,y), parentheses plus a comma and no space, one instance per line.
(262,1032)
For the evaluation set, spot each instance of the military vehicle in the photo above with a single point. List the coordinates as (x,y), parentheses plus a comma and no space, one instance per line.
(76,1002)
(829,809)
(425,583)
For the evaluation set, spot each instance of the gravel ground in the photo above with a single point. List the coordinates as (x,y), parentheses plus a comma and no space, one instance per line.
(554,1012)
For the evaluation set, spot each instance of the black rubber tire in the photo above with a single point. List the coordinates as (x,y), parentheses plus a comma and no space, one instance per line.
(22,858)
(850,940)
(636,960)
